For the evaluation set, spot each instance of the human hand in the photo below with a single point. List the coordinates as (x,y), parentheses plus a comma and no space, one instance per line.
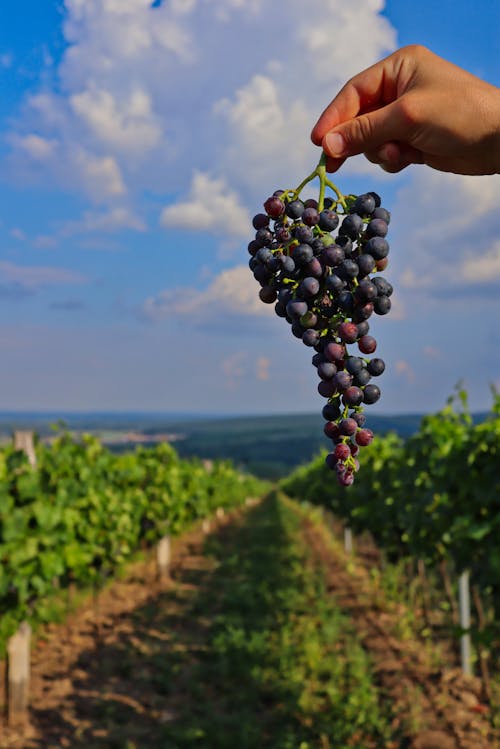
(413,107)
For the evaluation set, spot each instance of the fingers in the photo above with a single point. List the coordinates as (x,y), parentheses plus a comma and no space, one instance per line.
(374,87)
(367,132)
(393,157)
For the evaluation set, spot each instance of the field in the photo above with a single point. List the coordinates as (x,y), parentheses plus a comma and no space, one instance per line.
(266,635)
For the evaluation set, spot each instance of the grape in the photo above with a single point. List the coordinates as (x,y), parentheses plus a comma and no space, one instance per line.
(310,217)
(327,370)
(376,367)
(294,209)
(267,294)
(382,305)
(317,261)
(377,228)
(328,220)
(367,344)
(371,394)
(274,207)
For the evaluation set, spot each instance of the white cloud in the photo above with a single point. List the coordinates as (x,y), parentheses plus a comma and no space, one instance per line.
(232,292)
(35,276)
(114,219)
(210,206)
(36,147)
(262,368)
(485,268)
(404,369)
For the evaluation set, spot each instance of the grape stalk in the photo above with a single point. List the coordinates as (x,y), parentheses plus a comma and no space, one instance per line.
(316,261)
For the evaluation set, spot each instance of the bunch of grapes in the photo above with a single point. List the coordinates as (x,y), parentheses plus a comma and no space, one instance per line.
(316,261)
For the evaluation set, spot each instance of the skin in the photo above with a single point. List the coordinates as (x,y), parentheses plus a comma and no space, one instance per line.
(413,107)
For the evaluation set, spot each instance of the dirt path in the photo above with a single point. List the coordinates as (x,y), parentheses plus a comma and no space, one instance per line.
(437,708)
(120,672)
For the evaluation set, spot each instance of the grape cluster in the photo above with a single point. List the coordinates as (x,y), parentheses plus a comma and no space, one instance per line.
(315,260)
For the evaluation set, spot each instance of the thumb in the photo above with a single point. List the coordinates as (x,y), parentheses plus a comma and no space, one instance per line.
(367,132)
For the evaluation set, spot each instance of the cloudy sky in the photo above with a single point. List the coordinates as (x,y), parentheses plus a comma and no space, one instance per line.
(136,142)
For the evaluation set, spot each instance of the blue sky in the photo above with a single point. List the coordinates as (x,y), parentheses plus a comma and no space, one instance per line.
(135,145)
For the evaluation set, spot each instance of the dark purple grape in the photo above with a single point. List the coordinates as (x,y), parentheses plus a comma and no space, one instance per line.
(334,283)
(296,308)
(309,287)
(331,461)
(345,301)
(367,344)
(264,254)
(332,256)
(328,220)
(376,198)
(331,411)
(345,243)
(314,268)
(261,274)
(310,337)
(382,213)
(384,288)
(283,235)
(297,329)
(366,291)
(294,209)
(264,237)
(331,430)
(347,332)
(327,388)
(362,313)
(359,418)
(353,396)
(364,205)
(371,394)
(351,226)
(348,427)
(280,309)
(382,305)
(267,294)
(364,437)
(354,364)
(273,264)
(311,203)
(260,221)
(287,263)
(361,378)
(310,217)
(303,233)
(302,254)
(376,367)
(317,359)
(328,202)
(253,247)
(366,264)
(334,352)
(348,269)
(377,228)
(377,247)
(363,328)
(317,246)
(253,263)
(326,370)
(274,207)
(343,380)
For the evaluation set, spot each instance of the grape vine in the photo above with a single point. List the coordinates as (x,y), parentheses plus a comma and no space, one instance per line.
(323,286)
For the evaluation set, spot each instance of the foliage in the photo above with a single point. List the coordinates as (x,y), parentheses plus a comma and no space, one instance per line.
(84,511)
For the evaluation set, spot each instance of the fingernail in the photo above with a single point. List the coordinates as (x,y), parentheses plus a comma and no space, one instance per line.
(335,144)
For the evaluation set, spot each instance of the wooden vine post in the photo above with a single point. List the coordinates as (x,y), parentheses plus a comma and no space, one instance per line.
(348,540)
(18,676)
(163,557)
(25,441)
(464,607)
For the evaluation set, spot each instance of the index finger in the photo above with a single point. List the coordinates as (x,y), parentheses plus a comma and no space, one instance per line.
(372,88)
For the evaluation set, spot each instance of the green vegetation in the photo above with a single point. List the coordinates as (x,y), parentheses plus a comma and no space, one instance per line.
(83,512)
(434,497)
(285,668)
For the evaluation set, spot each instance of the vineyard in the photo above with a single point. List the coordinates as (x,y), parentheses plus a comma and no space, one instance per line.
(268,630)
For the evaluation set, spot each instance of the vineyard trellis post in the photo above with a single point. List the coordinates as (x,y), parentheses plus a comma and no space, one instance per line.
(464,606)
(348,540)
(18,675)
(163,556)
(24,441)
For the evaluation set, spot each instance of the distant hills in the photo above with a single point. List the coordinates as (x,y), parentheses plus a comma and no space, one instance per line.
(269,446)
